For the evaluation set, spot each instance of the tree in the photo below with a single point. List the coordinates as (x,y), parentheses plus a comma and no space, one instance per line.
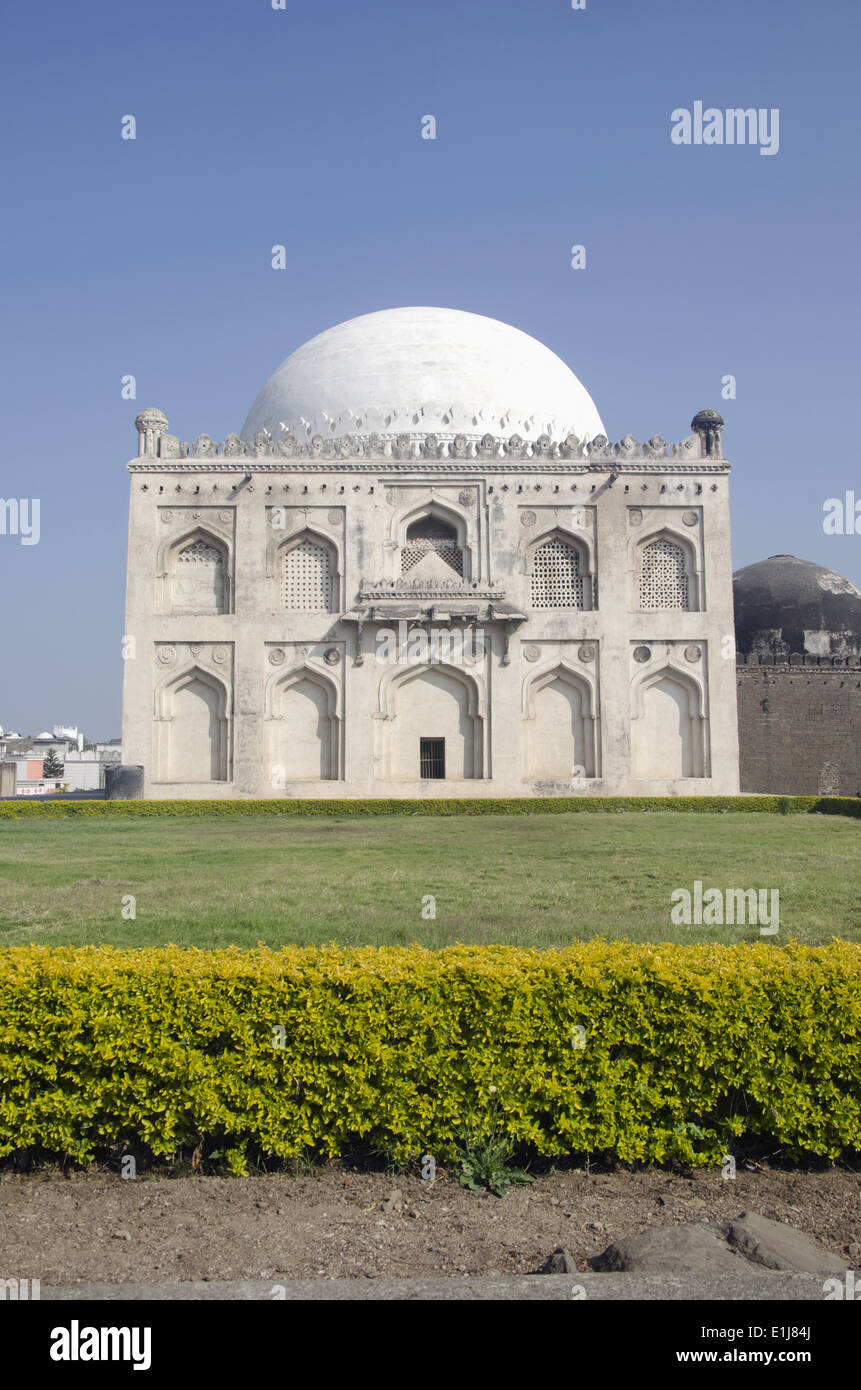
(51,765)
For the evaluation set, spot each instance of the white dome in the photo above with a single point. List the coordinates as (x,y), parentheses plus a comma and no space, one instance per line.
(423,371)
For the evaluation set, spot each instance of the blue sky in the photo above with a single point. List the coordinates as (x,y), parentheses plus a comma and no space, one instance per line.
(302,127)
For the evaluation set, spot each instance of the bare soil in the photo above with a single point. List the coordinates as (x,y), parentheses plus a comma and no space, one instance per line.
(96,1227)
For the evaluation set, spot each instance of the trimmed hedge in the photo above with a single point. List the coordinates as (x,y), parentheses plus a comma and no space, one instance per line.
(643,1053)
(450,806)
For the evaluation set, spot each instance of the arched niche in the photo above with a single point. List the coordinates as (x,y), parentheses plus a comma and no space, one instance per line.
(304,573)
(559,565)
(456,519)
(666,572)
(195,574)
(303,727)
(432,702)
(192,728)
(669,726)
(561,725)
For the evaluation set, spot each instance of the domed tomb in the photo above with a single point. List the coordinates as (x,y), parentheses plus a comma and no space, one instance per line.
(423,371)
(784,606)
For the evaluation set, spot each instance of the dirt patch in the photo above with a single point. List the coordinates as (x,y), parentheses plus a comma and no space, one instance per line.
(96,1227)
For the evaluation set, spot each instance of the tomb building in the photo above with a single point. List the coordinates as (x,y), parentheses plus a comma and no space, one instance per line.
(422,568)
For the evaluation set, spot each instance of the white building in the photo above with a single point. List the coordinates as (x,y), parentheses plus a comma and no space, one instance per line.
(422,569)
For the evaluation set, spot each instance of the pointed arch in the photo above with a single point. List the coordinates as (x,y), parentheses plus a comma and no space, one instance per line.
(559,564)
(560,712)
(666,572)
(195,573)
(303,726)
(304,573)
(449,513)
(192,727)
(437,701)
(669,725)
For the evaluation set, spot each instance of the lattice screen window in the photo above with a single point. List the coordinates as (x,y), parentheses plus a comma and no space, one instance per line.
(556,578)
(306,578)
(449,551)
(199,553)
(663,581)
(430,534)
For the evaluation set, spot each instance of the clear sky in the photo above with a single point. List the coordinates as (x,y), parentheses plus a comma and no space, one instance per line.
(302,126)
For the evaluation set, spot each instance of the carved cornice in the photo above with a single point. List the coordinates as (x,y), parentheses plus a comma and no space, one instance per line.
(423,468)
(421,448)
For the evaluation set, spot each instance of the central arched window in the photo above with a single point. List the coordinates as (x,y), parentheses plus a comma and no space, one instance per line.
(663,576)
(199,578)
(557,581)
(306,578)
(431,536)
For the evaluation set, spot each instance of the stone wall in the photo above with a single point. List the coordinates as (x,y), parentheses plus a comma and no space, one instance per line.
(799,726)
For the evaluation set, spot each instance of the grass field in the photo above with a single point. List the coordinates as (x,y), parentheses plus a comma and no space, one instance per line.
(530,881)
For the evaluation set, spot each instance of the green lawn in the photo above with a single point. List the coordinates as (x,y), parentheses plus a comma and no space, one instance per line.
(530,880)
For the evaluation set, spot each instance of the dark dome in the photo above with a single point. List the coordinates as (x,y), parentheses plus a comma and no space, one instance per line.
(786,605)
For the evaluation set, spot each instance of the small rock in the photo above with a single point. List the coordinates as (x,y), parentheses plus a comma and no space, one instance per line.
(778,1246)
(120,1235)
(683,1249)
(560,1262)
(394,1202)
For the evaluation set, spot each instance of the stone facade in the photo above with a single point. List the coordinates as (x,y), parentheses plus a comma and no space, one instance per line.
(800,726)
(414,615)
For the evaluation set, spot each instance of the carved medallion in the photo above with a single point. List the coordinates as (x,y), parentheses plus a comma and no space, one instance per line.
(197,515)
(195,648)
(331,656)
(167,514)
(466,497)
(276,656)
(531,652)
(642,654)
(224,517)
(587,651)
(690,518)
(693,653)
(167,655)
(528,518)
(220,655)
(635,516)
(333,518)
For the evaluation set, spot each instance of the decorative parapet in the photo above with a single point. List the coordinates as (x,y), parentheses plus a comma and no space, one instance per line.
(797,661)
(596,453)
(378,589)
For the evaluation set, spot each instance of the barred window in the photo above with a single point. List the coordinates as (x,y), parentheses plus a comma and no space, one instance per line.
(556,578)
(430,535)
(306,578)
(663,581)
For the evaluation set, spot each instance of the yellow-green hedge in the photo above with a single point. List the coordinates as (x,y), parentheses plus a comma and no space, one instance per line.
(432,806)
(686,1049)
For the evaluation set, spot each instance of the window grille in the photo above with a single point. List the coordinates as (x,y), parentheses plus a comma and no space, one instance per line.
(432,758)
(306,578)
(448,550)
(199,553)
(663,581)
(556,578)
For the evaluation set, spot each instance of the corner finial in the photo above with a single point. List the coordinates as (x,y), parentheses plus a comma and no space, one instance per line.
(151,424)
(708,425)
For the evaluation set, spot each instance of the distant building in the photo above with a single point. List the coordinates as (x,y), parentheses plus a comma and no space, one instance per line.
(798,668)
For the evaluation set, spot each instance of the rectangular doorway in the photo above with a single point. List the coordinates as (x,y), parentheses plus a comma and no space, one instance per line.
(432,757)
